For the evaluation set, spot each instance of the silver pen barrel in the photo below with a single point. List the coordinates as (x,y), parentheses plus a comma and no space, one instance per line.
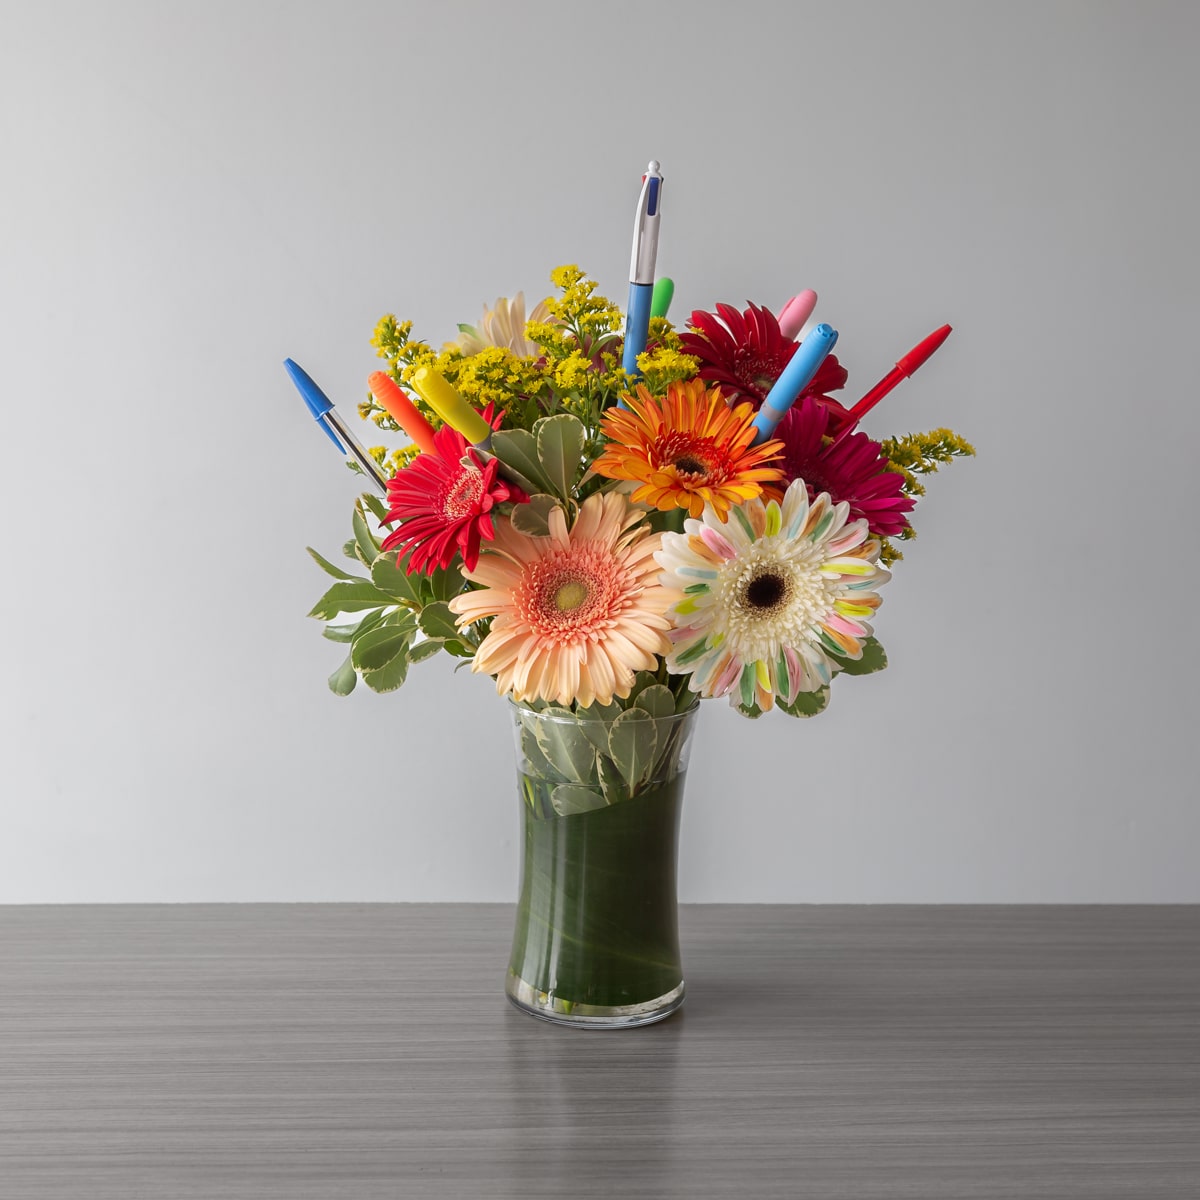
(352,444)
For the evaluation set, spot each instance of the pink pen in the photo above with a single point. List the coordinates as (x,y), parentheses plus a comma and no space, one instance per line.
(796,311)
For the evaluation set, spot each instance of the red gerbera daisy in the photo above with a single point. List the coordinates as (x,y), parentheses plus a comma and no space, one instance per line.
(746,352)
(852,468)
(444,502)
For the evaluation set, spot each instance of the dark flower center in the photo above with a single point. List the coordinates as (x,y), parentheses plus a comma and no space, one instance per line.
(766,592)
(757,372)
(690,466)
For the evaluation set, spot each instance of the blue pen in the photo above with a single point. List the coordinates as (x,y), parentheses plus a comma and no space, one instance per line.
(796,376)
(641,268)
(327,417)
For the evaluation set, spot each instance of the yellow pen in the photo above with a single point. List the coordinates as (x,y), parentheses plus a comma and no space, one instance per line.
(440,395)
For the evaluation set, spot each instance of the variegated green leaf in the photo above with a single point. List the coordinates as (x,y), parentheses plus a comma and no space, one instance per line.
(632,744)
(570,799)
(560,441)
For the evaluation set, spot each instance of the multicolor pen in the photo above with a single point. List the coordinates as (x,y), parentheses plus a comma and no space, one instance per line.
(327,417)
(794,378)
(641,268)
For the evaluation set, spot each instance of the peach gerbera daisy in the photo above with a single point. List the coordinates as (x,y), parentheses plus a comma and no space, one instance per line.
(686,449)
(576,613)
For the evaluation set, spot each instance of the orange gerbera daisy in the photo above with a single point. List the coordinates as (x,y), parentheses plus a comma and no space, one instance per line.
(686,449)
(576,613)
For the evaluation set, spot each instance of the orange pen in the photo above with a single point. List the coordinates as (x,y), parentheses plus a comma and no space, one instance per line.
(401,409)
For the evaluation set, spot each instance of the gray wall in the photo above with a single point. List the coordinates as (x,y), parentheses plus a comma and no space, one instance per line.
(191,193)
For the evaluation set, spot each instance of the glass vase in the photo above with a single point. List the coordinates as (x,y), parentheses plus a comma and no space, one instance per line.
(596,941)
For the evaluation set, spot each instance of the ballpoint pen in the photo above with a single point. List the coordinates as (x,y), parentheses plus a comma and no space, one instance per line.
(401,409)
(796,311)
(794,378)
(327,417)
(905,366)
(442,397)
(664,293)
(641,268)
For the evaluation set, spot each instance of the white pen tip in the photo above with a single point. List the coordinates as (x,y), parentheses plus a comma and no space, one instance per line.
(653,168)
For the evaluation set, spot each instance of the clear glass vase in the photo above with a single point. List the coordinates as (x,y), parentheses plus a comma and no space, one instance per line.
(596,941)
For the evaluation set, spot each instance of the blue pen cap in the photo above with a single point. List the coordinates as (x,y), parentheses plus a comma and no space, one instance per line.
(316,400)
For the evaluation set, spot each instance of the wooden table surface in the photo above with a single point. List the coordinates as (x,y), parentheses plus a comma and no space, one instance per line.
(305,1051)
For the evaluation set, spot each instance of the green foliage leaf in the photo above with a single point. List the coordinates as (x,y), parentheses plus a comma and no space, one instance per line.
(566,745)
(442,585)
(517,450)
(612,783)
(389,677)
(349,596)
(426,649)
(378,647)
(437,621)
(656,700)
(342,681)
(593,722)
(641,681)
(389,573)
(569,799)
(560,442)
(632,745)
(807,704)
(536,763)
(328,567)
(377,506)
(365,542)
(533,519)
(873,659)
(347,633)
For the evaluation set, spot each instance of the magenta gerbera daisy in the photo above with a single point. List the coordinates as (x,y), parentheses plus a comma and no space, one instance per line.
(444,502)
(746,352)
(851,468)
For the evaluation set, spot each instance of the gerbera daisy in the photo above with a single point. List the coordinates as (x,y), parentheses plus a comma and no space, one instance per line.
(686,449)
(851,468)
(763,604)
(576,613)
(502,325)
(444,502)
(746,352)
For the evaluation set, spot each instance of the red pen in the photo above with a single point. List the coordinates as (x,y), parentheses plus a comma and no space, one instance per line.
(908,364)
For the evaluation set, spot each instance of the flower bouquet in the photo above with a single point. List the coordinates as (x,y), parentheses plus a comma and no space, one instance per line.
(614,523)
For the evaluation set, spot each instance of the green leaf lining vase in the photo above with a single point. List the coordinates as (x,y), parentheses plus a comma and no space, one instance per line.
(596,941)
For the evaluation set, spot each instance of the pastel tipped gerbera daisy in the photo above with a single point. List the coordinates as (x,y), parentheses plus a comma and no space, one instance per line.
(851,468)
(765,603)
(577,613)
(746,352)
(502,325)
(444,502)
(686,449)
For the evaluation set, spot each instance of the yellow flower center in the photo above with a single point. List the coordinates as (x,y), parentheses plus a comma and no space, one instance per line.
(570,595)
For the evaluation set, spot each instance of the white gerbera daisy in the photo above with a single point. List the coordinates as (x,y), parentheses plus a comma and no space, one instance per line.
(764,604)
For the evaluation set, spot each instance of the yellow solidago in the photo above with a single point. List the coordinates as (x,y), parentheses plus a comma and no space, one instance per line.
(922,453)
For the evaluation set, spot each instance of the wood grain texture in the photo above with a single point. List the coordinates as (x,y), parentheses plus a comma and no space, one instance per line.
(324,1051)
